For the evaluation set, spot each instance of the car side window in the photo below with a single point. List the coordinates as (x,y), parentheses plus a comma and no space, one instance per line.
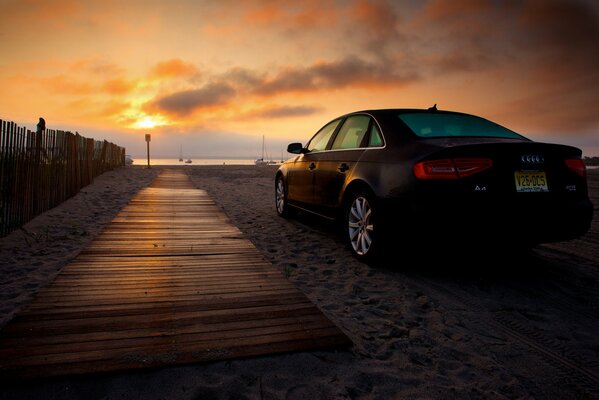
(321,139)
(352,133)
(376,139)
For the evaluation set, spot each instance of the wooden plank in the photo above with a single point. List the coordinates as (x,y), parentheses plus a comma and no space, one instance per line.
(169,281)
(112,348)
(155,293)
(92,323)
(161,351)
(141,301)
(159,307)
(192,326)
(195,354)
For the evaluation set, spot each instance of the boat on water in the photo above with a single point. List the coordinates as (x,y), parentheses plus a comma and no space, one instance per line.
(261,160)
(188,161)
(181,154)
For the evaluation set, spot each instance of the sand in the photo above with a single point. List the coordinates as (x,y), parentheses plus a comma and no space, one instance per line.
(33,255)
(489,328)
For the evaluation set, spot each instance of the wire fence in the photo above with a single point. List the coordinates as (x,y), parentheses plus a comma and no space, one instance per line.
(40,170)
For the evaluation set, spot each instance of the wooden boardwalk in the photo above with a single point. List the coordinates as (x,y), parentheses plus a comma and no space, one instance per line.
(169,281)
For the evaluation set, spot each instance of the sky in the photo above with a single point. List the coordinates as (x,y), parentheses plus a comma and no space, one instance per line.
(214,77)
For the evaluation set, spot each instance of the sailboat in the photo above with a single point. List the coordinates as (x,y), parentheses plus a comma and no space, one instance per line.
(261,161)
(181,154)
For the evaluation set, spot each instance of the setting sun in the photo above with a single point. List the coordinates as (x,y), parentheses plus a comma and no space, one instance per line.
(149,122)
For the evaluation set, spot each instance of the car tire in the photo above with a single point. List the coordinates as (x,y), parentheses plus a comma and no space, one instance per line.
(281,204)
(361,229)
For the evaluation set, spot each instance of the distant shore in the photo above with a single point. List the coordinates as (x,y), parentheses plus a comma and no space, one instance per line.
(187,162)
(421,329)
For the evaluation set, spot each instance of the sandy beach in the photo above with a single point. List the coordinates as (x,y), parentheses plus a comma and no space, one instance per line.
(489,328)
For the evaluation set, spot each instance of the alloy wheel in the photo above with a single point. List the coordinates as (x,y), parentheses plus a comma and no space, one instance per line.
(280,196)
(359,225)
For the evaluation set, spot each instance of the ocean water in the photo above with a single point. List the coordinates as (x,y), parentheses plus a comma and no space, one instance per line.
(194,161)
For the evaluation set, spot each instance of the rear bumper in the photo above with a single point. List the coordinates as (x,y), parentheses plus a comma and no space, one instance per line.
(530,219)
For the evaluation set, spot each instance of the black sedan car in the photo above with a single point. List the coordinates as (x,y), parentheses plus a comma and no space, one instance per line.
(435,176)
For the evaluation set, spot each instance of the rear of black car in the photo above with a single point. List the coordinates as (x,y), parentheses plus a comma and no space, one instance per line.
(504,190)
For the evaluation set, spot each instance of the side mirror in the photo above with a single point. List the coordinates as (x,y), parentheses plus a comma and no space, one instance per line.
(295,148)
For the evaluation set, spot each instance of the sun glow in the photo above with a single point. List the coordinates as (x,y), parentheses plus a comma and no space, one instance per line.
(149,122)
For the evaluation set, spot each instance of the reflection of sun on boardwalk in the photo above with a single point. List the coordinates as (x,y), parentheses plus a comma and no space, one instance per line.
(169,281)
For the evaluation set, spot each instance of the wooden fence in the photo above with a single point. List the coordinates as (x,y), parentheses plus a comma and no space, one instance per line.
(38,171)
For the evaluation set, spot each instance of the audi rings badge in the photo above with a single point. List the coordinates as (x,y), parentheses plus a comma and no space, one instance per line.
(532,159)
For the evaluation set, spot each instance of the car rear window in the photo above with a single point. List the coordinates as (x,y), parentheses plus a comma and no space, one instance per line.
(430,125)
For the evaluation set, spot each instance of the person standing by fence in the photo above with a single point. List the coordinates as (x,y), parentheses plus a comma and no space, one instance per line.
(41,126)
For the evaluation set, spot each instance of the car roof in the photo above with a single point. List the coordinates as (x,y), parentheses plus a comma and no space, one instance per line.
(395,111)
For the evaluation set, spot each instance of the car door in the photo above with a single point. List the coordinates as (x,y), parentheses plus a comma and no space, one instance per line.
(336,164)
(300,180)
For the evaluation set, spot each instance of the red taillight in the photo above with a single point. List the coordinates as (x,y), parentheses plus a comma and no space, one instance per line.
(451,168)
(437,169)
(577,165)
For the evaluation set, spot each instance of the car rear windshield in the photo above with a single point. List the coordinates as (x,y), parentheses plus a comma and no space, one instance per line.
(431,125)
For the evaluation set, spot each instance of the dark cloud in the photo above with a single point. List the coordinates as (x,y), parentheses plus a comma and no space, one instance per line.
(564,34)
(378,17)
(376,26)
(186,102)
(288,111)
(349,71)
(545,52)
(242,77)
(561,23)
(559,40)
(462,35)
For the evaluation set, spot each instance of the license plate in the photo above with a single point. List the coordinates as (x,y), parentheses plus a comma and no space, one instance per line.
(531,181)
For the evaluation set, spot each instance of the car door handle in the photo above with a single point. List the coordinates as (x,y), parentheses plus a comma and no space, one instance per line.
(343,167)
(312,167)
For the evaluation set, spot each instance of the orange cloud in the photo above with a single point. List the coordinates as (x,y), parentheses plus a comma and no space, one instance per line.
(114,107)
(62,85)
(95,66)
(173,68)
(305,14)
(118,86)
(218,31)
(50,14)
(265,15)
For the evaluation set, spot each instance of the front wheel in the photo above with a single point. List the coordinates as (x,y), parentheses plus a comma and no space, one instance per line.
(281,204)
(360,226)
